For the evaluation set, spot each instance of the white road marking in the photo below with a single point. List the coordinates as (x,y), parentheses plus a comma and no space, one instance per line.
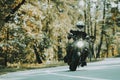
(22,74)
(107,61)
(98,67)
(80,77)
(53,71)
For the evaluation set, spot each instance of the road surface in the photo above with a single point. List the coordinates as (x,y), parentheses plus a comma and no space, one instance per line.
(109,69)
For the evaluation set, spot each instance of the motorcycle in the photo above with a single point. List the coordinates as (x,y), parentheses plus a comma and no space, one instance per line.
(77,53)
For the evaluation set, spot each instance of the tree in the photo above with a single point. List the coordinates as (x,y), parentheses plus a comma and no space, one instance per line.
(102,30)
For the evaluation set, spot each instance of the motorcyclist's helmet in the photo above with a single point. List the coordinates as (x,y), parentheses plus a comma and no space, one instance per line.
(80,24)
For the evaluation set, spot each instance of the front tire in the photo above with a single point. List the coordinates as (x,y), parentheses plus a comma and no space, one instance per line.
(73,66)
(74,63)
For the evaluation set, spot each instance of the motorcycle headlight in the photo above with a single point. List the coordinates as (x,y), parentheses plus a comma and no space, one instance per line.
(80,44)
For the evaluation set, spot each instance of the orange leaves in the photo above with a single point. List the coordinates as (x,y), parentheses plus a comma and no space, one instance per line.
(30,24)
(113,17)
(16,2)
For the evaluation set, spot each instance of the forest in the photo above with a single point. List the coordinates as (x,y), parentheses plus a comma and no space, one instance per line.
(35,31)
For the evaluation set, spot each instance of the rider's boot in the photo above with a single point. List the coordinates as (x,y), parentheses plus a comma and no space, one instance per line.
(66,59)
(83,64)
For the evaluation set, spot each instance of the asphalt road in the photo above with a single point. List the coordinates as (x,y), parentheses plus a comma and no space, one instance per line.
(109,69)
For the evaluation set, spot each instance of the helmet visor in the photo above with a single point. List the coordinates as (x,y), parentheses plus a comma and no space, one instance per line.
(80,26)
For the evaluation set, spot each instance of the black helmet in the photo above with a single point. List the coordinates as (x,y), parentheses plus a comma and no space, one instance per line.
(80,24)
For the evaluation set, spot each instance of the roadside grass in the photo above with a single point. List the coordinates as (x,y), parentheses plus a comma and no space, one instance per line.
(22,67)
(117,55)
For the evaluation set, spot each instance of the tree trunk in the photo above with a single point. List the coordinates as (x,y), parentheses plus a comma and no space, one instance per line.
(7,51)
(5,59)
(14,10)
(38,58)
(99,46)
(103,25)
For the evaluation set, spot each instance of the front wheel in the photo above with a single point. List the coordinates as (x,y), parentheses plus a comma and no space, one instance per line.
(74,63)
(73,66)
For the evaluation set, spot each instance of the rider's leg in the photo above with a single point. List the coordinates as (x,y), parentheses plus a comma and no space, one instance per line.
(83,60)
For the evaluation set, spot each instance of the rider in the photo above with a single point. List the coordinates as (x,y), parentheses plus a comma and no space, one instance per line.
(75,35)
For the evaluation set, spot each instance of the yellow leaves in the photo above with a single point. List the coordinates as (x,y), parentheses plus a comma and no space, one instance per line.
(30,24)
(113,17)
(7,6)
(62,16)
(57,23)
(34,13)
(16,2)
(30,13)
(2,36)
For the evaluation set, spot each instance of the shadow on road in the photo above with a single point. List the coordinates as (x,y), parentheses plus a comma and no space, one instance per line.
(73,71)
